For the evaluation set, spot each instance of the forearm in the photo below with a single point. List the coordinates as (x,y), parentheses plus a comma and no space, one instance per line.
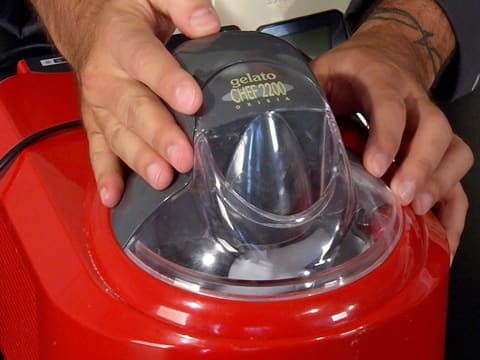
(418,32)
(70,24)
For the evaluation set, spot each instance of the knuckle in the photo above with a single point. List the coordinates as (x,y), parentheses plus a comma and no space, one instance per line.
(151,67)
(140,56)
(466,203)
(467,153)
(94,137)
(423,166)
(464,200)
(163,134)
(389,72)
(114,136)
(446,129)
(395,103)
(157,140)
(434,115)
(130,107)
(139,162)
(96,154)
(133,110)
(442,125)
(457,196)
(435,189)
(469,157)
(143,55)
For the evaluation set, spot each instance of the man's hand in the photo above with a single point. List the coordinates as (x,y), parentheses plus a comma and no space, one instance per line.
(385,71)
(124,71)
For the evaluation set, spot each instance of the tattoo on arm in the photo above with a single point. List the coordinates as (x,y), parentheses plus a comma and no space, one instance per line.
(405,18)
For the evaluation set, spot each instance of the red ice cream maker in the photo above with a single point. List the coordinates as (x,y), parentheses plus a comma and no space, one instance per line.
(277,245)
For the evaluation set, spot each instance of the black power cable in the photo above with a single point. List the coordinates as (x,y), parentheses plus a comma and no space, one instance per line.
(14,152)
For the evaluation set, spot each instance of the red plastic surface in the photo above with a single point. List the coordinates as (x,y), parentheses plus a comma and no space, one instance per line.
(67,290)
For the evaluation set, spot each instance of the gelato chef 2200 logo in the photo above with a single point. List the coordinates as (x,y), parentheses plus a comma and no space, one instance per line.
(249,90)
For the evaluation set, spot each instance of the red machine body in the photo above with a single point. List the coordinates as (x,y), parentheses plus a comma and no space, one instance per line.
(68,291)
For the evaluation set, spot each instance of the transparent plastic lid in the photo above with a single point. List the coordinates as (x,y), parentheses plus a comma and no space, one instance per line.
(274,208)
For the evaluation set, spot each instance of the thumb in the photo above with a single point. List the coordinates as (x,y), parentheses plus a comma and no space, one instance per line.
(195,18)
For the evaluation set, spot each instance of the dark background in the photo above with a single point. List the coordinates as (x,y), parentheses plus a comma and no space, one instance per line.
(463,332)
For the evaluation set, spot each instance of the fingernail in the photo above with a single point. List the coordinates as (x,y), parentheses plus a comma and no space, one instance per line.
(185,95)
(380,165)
(423,203)
(154,171)
(175,156)
(406,192)
(105,197)
(204,20)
